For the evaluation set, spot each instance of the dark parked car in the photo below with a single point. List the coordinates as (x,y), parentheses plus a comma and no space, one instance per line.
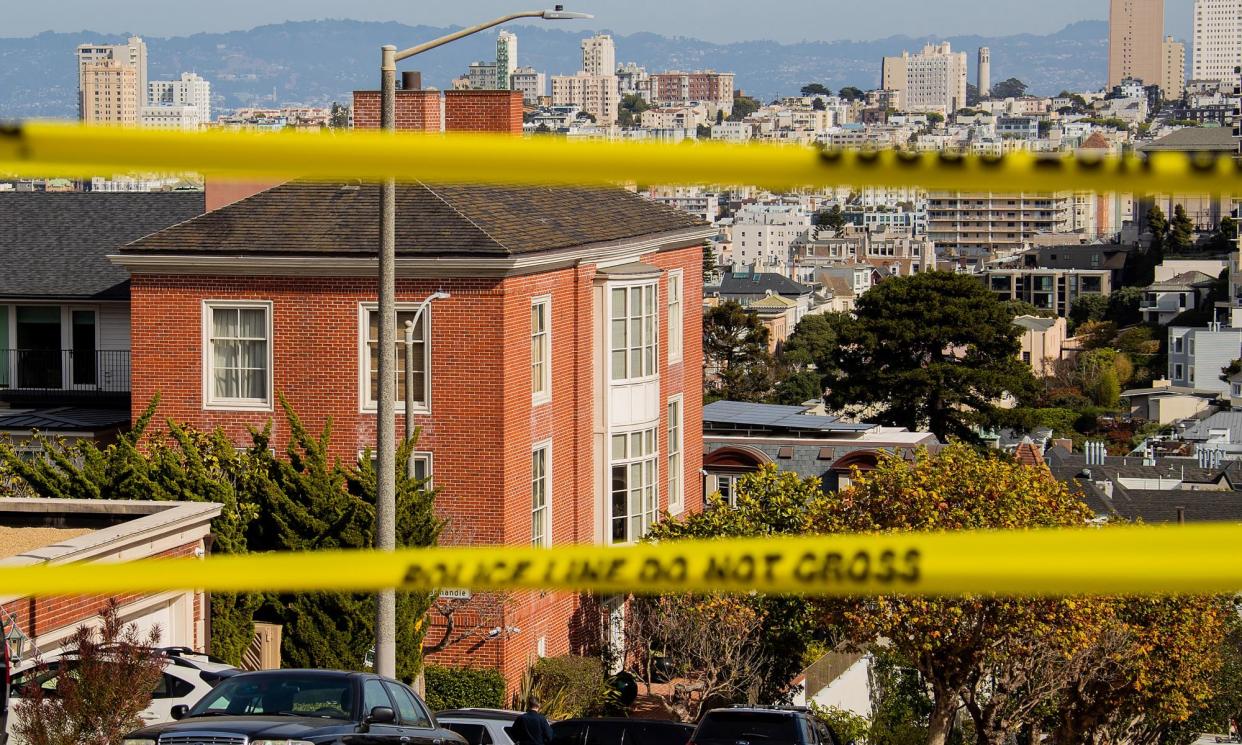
(746,726)
(320,707)
(620,731)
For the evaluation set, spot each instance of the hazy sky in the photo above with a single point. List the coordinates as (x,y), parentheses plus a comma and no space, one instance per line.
(713,20)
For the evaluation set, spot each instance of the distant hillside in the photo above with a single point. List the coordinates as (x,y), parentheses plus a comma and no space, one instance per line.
(317,62)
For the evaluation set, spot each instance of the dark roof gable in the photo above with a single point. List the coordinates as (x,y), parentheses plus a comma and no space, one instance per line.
(304,218)
(55,245)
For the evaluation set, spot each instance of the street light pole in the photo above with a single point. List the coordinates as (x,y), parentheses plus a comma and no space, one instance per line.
(386,419)
(409,372)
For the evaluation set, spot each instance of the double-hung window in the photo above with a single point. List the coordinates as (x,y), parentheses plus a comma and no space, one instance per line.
(540,495)
(237,352)
(634,502)
(541,350)
(368,363)
(633,323)
(676,490)
(674,315)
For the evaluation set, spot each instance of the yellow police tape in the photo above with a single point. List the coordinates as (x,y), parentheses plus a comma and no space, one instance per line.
(44,149)
(1204,558)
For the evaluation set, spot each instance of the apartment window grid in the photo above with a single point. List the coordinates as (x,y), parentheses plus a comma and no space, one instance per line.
(633,329)
(369,357)
(541,495)
(676,486)
(238,354)
(541,349)
(634,505)
(675,319)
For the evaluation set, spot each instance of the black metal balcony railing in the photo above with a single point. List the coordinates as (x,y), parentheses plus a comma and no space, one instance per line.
(69,370)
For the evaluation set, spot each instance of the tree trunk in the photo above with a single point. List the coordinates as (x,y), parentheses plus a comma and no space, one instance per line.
(941,722)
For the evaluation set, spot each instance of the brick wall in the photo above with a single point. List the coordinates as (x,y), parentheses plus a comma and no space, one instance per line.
(483,423)
(416,110)
(483,111)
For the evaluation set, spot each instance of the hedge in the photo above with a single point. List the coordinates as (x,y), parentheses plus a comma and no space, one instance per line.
(461,687)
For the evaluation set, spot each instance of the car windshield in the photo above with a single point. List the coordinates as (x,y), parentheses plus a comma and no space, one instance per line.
(748,725)
(325,696)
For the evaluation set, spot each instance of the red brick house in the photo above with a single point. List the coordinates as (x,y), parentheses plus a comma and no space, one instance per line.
(559,384)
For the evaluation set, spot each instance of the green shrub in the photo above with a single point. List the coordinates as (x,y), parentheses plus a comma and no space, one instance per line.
(571,686)
(846,725)
(461,687)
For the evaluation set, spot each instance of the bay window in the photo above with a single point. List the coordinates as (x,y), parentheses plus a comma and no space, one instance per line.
(634,501)
(632,317)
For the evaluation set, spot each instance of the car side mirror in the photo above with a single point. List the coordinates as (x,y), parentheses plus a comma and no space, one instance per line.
(381,715)
(179,711)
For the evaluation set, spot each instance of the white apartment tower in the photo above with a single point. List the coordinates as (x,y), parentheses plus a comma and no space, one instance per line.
(932,80)
(599,55)
(506,59)
(1217,42)
(189,90)
(95,59)
(984,81)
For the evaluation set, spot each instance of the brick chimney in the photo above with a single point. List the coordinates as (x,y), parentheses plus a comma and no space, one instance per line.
(483,111)
(417,110)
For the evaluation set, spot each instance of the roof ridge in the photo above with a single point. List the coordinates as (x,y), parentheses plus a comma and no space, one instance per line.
(464,216)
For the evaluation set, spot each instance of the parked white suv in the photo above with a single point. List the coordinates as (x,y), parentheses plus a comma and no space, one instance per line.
(480,726)
(188,676)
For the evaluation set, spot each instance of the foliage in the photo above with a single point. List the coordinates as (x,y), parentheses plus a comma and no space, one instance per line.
(1228,371)
(900,705)
(703,131)
(1182,230)
(1225,237)
(708,646)
(306,501)
(1009,88)
(846,725)
(818,105)
(1023,308)
(339,118)
(631,106)
(815,89)
(1109,121)
(1087,308)
(934,118)
(1123,306)
(850,93)
(1002,657)
(463,687)
(570,686)
(100,695)
(832,218)
(743,106)
(931,351)
(798,387)
(735,349)
(768,502)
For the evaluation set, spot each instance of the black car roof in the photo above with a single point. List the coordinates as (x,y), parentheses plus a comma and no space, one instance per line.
(308,671)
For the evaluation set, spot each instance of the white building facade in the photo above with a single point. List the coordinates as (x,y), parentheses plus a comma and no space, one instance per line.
(188,90)
(765,236)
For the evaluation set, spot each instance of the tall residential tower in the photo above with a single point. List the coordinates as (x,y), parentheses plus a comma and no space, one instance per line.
(1217,42)
(1135,34)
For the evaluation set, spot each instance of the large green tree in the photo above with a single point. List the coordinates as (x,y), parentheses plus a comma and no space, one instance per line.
(743,106)
(815,89)
(933,351)
(304,501)
(1182,231)
(832,218)
(735,349)
(1000,658)
(1008,88)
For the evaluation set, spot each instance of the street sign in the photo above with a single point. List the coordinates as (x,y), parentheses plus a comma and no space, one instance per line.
(454,593)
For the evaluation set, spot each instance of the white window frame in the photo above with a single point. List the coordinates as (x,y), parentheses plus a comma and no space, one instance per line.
(651,513)
(1177,345)
(542,397)
(367,405)
(676,455)
(654,343)
(1177,371)
(676,321)
(210,400)
(545,518)
(426,456)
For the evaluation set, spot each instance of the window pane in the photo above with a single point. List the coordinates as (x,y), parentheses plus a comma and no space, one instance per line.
(618,447)
(224,323)
(251,323)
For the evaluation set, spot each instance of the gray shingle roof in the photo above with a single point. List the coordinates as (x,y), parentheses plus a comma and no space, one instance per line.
(1231,420)
(1195,140)
(758,283)
(55,245)
(773,417)
(303,218)
(64,419)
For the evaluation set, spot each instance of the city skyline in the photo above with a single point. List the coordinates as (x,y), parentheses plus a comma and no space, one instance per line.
(719,22)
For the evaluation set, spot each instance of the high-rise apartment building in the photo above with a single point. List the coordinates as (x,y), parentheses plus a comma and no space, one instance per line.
(188,90)
(506,59)
(1217,41)
(984,81)
(995,224)
(1135,34)
(599,55)
(482,76)
(93,61)
(531,84)
(595,94)
(1173,70)
(675,88)
(932,80)
(108,93)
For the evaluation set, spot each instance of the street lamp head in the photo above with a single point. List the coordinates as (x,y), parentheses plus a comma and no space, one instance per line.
(440,295)
(560,14)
